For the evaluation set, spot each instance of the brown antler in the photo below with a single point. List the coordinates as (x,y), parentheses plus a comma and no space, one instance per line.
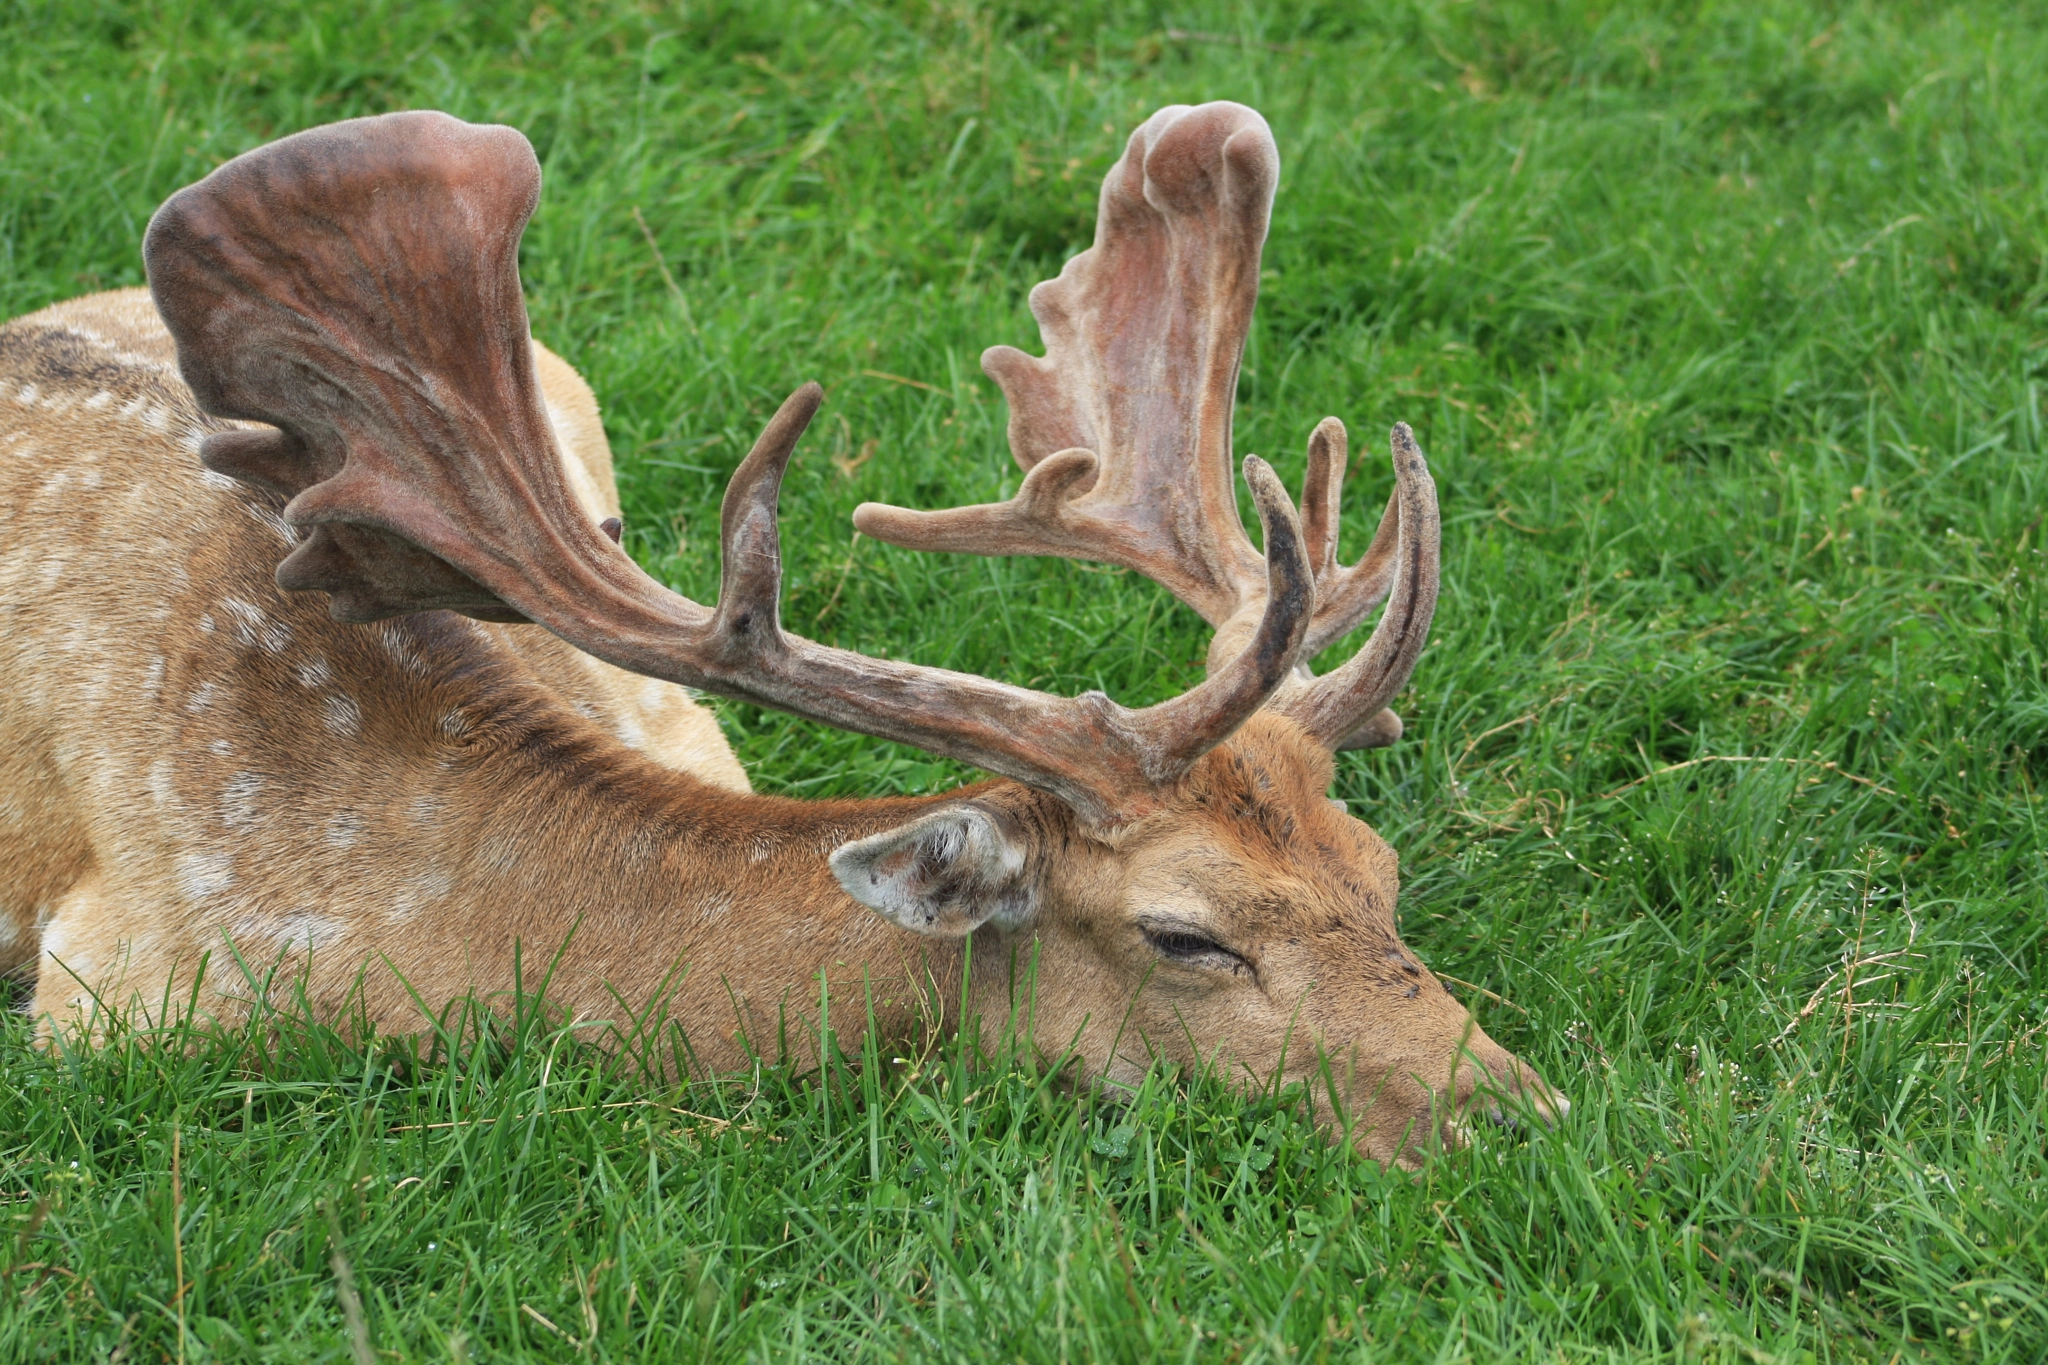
(1343,595)
(356,287)
(1344,708)
(1124,427)
(273,276)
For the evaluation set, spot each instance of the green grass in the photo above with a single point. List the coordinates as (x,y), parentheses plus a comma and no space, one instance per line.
(1723,328)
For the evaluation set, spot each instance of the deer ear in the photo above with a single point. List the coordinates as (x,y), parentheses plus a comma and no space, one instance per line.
(945,874)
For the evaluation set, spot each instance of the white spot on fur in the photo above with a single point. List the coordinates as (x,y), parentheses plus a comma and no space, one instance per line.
(639,848)
(715,907)
(297,932)
(66,959)
(303,933)
(314,672)
(163,781)
(206,623)
(221,747)
(202,697)
(433,885)
(341,716)
(246,616)
(498,854)
(215,480)
(238,799)
(205,874)
(344,828)
(118,354)
(99,400)
(153,676)
(401,649)
(254,629)
(26,396)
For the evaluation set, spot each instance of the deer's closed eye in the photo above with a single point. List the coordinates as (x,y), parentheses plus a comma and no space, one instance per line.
(1179,943)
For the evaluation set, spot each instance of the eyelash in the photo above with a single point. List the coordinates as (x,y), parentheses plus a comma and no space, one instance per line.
(1186,947)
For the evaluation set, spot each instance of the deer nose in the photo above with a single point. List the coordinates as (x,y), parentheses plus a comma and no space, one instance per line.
(1513,1113)
(1506,1092)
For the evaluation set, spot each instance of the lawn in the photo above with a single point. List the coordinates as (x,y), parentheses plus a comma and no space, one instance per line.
(1723,328)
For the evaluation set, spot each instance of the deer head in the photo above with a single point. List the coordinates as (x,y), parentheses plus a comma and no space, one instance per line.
(1178,873)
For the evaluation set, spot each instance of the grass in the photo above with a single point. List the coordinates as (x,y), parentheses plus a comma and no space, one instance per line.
(1723,328)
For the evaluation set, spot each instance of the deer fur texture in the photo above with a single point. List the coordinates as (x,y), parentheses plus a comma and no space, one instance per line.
(198,768)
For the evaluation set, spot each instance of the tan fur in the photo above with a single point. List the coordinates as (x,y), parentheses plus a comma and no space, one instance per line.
(193,762)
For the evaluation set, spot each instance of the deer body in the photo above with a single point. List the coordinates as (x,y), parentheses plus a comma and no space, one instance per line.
(391,783)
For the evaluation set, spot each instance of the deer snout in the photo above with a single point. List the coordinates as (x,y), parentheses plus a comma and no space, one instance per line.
(1410,1114)
(1500,1088)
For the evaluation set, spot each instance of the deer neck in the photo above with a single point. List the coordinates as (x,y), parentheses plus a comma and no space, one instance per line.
(635,893)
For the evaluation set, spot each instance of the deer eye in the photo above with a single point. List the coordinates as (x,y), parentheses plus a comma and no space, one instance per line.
(1195,949)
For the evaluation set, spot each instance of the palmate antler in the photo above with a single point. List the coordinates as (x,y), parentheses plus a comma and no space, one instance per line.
(1124,427)
(356,288)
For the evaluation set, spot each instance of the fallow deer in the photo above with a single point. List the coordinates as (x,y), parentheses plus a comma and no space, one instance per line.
(483,745)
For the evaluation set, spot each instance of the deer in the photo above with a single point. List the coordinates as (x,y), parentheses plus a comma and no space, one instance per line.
(321,650)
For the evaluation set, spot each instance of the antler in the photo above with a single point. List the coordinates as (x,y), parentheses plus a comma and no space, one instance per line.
(1124,427)
(356,287)
(1345,708)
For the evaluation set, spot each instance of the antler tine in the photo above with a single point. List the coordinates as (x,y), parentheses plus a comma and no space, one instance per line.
(1124,427)
(356,287)
(1322,488)
(1190,728)
(1343,595)
(1346,703)
(749,532)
